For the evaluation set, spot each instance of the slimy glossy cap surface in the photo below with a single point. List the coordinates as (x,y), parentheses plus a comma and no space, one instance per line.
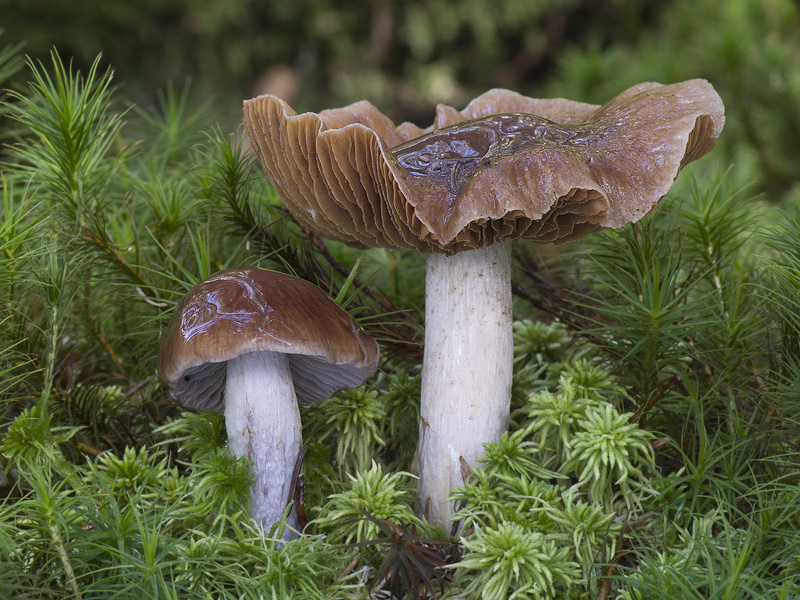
(249,309)
(507,166)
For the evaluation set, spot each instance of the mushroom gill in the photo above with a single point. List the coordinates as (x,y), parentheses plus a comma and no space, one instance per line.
(506,166)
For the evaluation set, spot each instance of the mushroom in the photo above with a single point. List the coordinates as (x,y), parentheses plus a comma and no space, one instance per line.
(505,167)
(254,343)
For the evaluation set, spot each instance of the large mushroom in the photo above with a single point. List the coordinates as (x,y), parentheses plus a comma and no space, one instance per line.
(505,167)
(254,344)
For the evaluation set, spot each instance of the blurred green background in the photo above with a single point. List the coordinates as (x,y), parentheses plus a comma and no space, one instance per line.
(105,227)
(405,56)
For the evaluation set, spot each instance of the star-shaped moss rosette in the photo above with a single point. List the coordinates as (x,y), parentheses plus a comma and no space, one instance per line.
(505,167)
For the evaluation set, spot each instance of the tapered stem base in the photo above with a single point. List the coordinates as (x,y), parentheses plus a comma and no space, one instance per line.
(467,368)
(263,424)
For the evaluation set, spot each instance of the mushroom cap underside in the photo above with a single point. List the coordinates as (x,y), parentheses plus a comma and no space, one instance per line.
(247,310)
(506,166)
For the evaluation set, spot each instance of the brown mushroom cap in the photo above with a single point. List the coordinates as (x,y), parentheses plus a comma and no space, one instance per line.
(247,310)
(506,166)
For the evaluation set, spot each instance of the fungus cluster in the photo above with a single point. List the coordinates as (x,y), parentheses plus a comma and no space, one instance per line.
(506,167)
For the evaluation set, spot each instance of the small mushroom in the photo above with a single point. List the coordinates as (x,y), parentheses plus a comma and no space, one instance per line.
(505,167)
(253,344)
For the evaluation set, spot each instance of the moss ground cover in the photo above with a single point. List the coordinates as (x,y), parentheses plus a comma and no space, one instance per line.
(653,444)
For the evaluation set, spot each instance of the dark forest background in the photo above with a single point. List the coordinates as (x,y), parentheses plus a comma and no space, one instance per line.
(407,56)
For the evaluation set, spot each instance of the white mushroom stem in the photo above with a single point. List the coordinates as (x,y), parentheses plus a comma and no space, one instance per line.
(467,368)
(263,424)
